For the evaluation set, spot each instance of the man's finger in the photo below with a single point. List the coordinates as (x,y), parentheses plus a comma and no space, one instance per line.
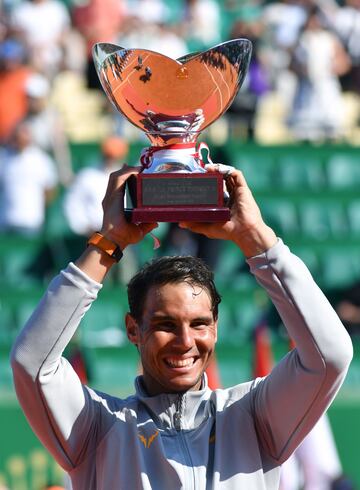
(120,176)
(112,183)
(220,167)
(238,179)
(117,179)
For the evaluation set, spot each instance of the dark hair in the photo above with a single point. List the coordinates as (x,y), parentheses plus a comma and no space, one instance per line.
(170,270)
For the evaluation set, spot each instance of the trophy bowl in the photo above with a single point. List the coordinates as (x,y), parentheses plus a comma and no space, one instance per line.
(173,101)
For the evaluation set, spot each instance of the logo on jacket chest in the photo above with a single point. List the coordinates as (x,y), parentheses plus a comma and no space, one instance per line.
(147,441)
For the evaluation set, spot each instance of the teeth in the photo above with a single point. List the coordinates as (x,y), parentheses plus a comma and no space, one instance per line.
(180,362)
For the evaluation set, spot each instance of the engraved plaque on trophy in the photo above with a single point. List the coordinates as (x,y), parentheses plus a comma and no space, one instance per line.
(173,101)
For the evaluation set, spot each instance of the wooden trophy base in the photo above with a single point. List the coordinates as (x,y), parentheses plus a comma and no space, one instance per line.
(174,197)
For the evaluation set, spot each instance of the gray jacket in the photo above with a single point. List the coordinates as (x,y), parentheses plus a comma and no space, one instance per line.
(234,438)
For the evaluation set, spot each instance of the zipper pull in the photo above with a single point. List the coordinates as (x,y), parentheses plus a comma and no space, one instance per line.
(177,421)
(177,415)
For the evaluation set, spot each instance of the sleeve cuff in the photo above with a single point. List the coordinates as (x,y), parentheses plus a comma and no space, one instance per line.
(80,279)
(273,253)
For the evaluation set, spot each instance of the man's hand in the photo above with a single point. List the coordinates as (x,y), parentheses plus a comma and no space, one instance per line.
(94,262)
(246,227)
(115,227)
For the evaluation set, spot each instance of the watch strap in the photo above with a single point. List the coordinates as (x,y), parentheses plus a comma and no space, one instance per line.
(109,247)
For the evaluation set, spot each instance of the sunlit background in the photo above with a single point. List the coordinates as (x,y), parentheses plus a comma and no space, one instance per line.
(293,129)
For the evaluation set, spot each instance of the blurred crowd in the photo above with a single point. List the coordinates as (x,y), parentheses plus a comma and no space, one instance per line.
(303,85)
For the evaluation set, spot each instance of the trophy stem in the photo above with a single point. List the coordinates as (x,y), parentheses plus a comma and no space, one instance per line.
(180,157)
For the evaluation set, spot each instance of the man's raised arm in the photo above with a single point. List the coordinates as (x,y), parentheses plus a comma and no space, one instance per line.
(60,410)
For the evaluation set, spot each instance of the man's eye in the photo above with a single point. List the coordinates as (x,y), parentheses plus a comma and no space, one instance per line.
(199,325)
(165,326)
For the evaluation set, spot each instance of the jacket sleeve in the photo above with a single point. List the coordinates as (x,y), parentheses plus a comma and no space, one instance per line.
(59,409)
(289,401)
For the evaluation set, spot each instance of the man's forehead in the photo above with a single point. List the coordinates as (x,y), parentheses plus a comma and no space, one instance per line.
(175,292)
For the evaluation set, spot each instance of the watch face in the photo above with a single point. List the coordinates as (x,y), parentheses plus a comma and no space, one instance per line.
(117,254)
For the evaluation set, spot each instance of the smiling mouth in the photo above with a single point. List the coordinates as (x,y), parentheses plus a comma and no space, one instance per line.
(180,363)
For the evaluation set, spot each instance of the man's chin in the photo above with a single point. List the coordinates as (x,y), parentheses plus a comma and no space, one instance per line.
(181,386)
(172,384)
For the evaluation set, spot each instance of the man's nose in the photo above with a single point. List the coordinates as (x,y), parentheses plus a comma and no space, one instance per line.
(184,336)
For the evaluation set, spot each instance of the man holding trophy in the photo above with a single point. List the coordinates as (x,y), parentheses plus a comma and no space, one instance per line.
(175,432)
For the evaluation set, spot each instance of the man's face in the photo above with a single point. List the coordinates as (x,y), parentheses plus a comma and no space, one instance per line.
(176,337)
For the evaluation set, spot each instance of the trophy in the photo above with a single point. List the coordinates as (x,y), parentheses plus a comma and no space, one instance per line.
(173,101)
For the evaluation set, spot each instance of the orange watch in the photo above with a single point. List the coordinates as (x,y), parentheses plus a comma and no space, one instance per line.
(110,248)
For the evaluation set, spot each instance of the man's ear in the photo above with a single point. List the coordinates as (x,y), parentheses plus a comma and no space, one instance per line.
(132,329)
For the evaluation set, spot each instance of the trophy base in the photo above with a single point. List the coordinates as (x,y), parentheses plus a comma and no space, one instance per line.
(173,197)
(174,215)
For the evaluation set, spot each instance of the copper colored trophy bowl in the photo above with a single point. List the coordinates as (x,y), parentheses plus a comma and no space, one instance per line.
(172,101)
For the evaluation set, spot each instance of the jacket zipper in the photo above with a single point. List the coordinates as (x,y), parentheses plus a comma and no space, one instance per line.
(189,475)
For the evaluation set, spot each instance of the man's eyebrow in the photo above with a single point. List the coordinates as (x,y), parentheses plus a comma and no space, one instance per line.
(160,316)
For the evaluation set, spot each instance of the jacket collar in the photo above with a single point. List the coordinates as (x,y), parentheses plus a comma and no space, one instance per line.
(177,410)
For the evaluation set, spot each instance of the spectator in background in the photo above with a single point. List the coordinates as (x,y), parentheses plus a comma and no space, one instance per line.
(4,22)
(318,61)
(283,21)
(243,110)
(345,21)
(13,76)
(27,181)
(98,21)
(46,126)
(347,305)
(42,25)
(202,23)
(83,200)
(147,28)
(149,11)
